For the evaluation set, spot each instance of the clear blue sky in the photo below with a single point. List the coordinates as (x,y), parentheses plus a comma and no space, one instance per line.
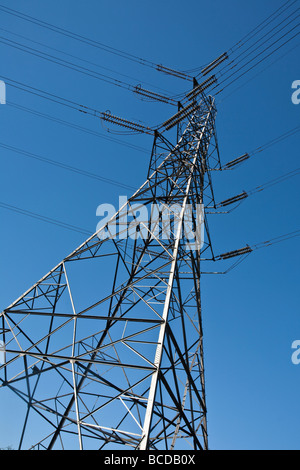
(251,315)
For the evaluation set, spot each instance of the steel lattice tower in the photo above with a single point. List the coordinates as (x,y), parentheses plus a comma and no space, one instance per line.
(106,350)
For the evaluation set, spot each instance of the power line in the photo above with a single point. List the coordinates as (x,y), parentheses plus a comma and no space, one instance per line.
(246,250)
(276,140)
(82,59)
(228,74)
(51,97)
(88,110)
(136,127)
(263,25)
(91,42)
(43,218)
(242,42)
(265,37)
(66,64)
(252,34)
(279,239)
(256,57)
(225,73)
(68,101)
(117,183)
(274,181)
(257,150)
(78,127)
(231,69)
(261,43)
(84,70)
(78,37)
(236,253)
(258,73)
(128,86)
(239,198)
(133,57)
(65,166)
(80,69)
(241,255)
(261,148)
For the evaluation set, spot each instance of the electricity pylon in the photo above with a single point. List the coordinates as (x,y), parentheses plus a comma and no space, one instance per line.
(106,350)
